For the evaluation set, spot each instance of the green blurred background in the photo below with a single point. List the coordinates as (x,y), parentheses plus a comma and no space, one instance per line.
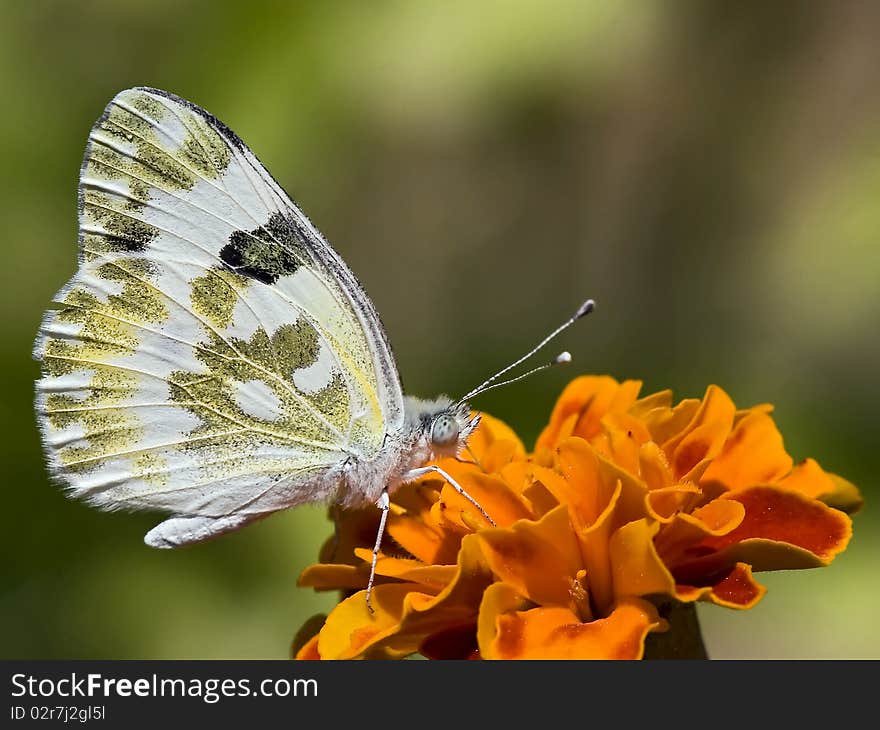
(709,173)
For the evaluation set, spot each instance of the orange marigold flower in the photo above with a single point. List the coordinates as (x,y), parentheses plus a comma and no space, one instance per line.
(626,504)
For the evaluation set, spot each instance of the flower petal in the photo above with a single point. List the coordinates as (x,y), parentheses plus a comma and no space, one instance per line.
(582,405)
(491,431)
(789,517)
(682,539)
(332,576)
(422,541)
(623,436)
(664,504)
(704,434)
(593,479)
(351,630)
(654,467)
(538,559)
(498,599)
(557,633)
(812,480)
(702,443)
(405,616)
(309,650)
(411,526)
(643,406)
(664,423)
(636,567)
(754,454)
(413,571)
(354,527)
(732,588)
(845,497)
(491,492)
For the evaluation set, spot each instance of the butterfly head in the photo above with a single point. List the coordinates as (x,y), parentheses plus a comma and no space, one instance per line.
(443,426)
(451,428)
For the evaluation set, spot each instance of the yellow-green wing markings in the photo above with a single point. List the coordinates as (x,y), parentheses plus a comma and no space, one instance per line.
(104,334)
(351,297)
(212,356)
(214,159)
(318,246)
(257,360)
(265,266)
(158,229)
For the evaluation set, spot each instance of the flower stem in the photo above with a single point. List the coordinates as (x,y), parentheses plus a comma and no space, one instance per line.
(683,640)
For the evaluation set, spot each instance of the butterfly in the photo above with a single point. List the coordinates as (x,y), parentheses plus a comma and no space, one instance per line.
(213,357)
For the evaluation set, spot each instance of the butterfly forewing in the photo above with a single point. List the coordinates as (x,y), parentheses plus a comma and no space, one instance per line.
(212,356)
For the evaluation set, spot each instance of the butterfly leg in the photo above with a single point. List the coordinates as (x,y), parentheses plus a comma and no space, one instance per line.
(384,504)
(416,473)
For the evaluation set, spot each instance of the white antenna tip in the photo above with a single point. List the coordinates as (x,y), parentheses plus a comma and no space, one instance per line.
(585,308)
(562,357)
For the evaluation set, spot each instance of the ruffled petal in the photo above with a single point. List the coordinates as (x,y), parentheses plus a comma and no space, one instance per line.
(491,492)
(687,533)
(754,454)
(538,559)
(582,405)
(405,616)
(351,631)
(788,517)
(734,587)
(704,433)
(811,480)
(636,567)
(623,498)
(557,633)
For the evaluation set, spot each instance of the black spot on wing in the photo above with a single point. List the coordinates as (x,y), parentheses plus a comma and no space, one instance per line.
(266,253)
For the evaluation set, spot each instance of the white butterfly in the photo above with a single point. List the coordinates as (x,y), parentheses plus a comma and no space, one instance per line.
(213,357)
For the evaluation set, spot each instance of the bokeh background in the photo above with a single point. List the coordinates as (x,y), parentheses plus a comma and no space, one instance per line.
(709,172)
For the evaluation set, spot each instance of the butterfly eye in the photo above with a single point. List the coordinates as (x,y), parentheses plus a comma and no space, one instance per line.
(444,432)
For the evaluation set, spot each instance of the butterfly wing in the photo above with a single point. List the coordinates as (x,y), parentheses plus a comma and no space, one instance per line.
(212,357)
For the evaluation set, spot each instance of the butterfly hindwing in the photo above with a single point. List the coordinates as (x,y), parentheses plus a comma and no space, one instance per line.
(212,357)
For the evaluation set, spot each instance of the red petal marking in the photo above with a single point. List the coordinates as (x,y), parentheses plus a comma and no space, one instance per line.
(738,587)
(704,442)
(778,514)
(735,588)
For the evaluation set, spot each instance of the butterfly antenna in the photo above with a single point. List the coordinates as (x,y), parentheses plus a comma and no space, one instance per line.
(564,357)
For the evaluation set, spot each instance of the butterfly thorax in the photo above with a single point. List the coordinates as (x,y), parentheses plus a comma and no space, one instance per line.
(431,429)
